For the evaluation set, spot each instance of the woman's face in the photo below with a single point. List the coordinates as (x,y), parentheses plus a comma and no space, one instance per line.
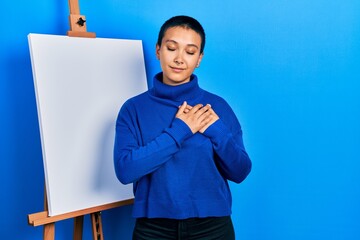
(179,55)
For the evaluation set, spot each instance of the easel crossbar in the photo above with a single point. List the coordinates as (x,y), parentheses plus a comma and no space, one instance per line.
(42,218)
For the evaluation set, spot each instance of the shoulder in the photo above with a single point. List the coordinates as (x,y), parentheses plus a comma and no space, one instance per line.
(139,97)
(136,100)
(130,106)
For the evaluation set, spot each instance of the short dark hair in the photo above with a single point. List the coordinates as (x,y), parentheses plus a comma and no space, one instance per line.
(185,22)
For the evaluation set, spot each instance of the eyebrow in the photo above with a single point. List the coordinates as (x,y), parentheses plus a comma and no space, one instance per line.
(190,44)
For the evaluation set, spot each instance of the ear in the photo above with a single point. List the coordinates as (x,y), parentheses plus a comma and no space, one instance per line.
(157,51)
(199,60)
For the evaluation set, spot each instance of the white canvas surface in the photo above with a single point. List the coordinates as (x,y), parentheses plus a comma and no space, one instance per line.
(80,85)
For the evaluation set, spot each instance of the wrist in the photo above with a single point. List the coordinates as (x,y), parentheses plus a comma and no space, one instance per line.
(216,129)
(179,130)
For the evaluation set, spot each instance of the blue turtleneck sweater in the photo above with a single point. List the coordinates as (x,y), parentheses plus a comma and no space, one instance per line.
(178,174)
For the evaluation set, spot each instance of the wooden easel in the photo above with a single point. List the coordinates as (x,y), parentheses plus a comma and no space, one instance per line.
(77,22)
(77,29)
(43,219)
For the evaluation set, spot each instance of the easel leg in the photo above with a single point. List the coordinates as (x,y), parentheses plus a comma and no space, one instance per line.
(97,226)
(78,227)
(49,231)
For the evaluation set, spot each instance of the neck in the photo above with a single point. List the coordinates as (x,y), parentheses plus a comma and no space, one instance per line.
(181,92)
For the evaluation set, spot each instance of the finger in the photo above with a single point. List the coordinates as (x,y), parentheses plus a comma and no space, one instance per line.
(208,122)
(205,117)
(196,108)
(211,110)
(203,110)
(186,110)
(182,107)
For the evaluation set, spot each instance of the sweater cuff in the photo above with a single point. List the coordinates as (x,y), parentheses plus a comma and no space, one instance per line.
(179,131)
(217,130)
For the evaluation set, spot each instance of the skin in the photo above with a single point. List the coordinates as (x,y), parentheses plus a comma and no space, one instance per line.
(179,55)
(198,118)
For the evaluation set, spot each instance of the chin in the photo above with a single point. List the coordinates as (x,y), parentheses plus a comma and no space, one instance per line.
(180,81)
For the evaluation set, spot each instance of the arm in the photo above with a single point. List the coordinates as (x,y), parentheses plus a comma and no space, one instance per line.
(131,160)
(231,157)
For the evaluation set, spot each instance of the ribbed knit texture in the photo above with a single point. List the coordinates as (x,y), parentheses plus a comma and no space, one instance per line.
(177,174)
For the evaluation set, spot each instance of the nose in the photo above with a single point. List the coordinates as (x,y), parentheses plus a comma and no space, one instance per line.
(178,59)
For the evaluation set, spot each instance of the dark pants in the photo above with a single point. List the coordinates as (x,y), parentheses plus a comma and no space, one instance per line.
(216,228)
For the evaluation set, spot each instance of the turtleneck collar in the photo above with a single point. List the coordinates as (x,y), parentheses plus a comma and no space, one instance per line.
(182,92)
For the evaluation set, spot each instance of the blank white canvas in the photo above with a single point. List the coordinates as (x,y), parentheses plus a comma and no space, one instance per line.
(80,85)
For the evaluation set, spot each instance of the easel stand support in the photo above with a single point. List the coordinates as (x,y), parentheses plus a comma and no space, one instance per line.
(43,219)
(77,22)
(77,29)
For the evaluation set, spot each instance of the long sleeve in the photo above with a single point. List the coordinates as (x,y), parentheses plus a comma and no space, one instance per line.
(132,160)
(231,157)
(178,174)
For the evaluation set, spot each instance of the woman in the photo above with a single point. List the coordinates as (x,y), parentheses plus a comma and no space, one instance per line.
(179,145)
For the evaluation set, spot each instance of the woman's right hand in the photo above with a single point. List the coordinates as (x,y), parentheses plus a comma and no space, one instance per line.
(196,117)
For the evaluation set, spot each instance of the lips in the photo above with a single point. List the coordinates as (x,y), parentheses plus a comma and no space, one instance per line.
(176,69)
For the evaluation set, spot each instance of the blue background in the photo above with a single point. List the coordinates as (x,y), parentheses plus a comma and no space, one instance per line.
(289,69)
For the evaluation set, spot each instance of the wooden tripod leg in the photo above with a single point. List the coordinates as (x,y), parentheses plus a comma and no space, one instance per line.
(97,226)
(78,227)
(49,231)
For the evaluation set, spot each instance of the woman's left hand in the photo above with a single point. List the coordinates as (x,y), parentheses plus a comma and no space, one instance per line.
(214,117)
